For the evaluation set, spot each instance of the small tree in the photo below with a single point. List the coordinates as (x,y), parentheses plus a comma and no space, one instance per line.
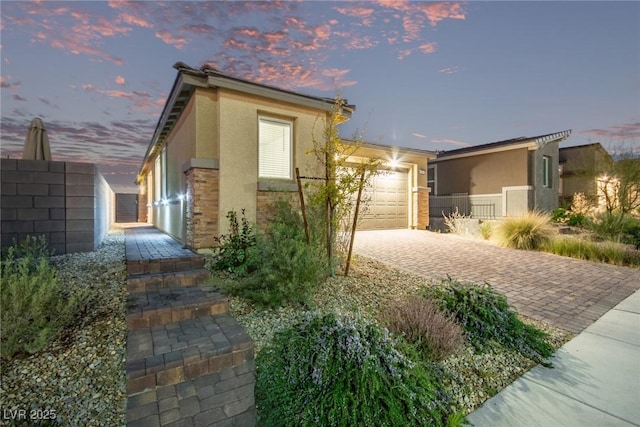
(342,176)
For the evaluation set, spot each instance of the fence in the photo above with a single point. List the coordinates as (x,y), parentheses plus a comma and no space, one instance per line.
(483,206)
(69,203)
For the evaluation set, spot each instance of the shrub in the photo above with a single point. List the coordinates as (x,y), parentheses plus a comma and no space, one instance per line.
(342,371)
(564,216)
(614,225)
(235,249)
(485,315)
(281,266)
(420,321)
(632,236)
(455,222)
(34,308)
(528,231)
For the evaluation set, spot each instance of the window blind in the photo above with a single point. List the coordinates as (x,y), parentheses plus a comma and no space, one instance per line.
(274,155)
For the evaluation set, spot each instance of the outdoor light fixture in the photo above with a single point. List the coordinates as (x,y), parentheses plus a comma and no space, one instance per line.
(181,197)
(165,202)
(393,163)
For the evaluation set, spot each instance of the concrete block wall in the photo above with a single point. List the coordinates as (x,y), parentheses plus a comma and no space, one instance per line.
(54,199)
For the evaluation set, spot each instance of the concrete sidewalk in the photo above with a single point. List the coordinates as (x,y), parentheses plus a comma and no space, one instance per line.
(595,380)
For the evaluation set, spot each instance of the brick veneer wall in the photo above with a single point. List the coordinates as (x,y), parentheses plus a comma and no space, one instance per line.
(422,203)
(69,203)
(265,201)
(202,207)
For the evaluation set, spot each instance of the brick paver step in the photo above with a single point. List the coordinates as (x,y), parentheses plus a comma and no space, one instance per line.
(152,282)
(227,395)
(178,351)
(163,265)
(147,309)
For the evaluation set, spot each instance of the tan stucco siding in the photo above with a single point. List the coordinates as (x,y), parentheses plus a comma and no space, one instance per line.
(180,146)
(207,119)
(239,147)
(482,173)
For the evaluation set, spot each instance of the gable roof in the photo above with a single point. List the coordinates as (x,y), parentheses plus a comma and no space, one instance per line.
(509,144)
(189,78)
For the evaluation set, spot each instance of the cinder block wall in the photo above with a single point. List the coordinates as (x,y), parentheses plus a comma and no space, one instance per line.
(69,203)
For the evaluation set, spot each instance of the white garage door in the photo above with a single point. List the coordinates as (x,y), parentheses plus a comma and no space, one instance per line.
(388,203)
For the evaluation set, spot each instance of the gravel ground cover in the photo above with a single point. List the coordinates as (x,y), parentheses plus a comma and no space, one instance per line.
(471,378)
(80,378)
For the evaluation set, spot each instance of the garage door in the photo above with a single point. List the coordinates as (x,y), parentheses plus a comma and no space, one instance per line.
(388,203)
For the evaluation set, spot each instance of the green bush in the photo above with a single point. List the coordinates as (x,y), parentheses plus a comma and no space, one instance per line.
(592,251)
(486,316)
(34,308)
(234,250)
(420,321)
(632,236)
(568,217)
(614,226)
(528,231)
(341,371)
(281,267)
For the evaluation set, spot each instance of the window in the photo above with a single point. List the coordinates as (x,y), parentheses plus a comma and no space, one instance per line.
(431,178)
(274,148)
(546,172)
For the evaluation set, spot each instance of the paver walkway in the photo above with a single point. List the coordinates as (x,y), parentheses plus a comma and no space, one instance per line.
(189,362)
(565,292)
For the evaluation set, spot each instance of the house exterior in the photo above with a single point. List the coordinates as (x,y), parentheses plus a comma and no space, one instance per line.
(580,169)
(498,179)
(223,143)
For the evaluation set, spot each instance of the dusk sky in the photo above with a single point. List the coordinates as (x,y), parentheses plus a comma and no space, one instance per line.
(434,76)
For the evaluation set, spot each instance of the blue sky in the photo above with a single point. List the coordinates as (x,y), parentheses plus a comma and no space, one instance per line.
(435,76)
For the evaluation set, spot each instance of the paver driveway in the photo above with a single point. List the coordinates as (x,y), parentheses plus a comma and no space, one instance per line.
(564,292)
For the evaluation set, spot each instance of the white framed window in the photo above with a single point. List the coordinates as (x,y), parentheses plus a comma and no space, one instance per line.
(275,148)
(431,178)
(546,172)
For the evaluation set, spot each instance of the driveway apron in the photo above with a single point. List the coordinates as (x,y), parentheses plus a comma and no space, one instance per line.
(564,292)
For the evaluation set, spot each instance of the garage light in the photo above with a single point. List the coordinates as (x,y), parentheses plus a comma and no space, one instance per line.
(393,163)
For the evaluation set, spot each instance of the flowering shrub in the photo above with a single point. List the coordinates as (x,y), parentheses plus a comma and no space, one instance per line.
(485,315)
(331,370)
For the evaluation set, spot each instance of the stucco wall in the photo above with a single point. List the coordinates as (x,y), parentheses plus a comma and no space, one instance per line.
(180,147)
(545,198)
(239,147)
(482,173)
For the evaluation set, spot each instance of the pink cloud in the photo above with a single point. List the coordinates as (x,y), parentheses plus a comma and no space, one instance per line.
(120,80)
(88,87)
(427,48)
(419,135)
(624,131)
(176,41)
(135,20)
(436,12)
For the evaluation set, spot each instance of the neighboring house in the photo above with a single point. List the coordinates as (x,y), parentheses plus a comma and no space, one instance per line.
(498,179)
(581,168)
(223,143)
